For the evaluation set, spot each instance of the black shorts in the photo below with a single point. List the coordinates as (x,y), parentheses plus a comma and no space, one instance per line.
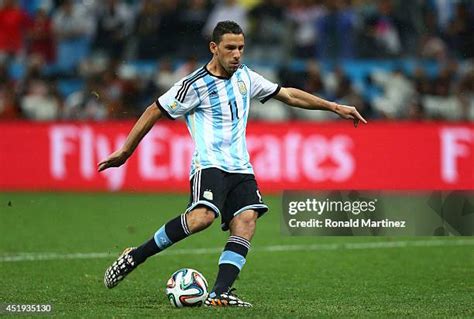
(227,194)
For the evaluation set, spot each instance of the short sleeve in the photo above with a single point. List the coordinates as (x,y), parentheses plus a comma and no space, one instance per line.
(261,88)
(179,100)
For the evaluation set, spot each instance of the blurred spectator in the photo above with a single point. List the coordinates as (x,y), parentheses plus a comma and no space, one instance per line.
(332,80)
(8,104)
(170,29)
(379,36)
(113,92)
(441,104)
(73,28)
(32,6)
(339,87)
(421,81)
(40,37)
(398,91)
(164,77)
(432,45)
(415,111)
(13,24)
(466,93)
(268,33)
(433,48)
(87,103)
(131,86)
(409,19)
(367,44)
(387,27)
(273,111)
(304,15)
(291,77)
(461,31)
(39,101)
(119,91)
(93,65)
(312,84)
(346,94)
(193,18)
(146,30)
(4,74)
(226,10)
(336,31)
(444,11)
(189,66)
(114,23)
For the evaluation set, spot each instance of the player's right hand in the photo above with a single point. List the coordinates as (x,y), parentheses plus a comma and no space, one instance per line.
(116,159)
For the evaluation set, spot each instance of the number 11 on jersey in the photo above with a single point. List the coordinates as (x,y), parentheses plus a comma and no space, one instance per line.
(232,106)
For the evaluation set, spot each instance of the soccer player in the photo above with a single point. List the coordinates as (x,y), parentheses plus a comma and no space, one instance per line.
(215,101)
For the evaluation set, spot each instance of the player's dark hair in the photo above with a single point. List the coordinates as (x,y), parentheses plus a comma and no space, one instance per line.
(224,27)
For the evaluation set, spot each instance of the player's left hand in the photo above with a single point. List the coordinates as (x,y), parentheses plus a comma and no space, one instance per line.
(350,113)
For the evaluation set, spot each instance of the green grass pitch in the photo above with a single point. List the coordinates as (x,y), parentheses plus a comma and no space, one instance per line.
(282,278)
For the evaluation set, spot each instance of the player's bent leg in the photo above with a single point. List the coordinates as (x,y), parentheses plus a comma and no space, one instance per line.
(244,224)
(173,231)
(200,218)
(242,228)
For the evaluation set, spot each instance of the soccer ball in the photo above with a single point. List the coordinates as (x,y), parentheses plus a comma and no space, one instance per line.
(186,288)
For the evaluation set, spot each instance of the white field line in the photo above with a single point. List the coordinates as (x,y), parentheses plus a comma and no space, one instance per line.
(38,256)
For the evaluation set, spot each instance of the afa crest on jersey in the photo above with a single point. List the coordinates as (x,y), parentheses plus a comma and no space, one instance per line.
(242,87)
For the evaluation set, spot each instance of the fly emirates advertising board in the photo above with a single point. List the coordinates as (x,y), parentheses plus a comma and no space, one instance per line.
(285,156)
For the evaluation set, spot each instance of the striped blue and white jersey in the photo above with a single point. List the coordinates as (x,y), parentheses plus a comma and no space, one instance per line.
(216,110)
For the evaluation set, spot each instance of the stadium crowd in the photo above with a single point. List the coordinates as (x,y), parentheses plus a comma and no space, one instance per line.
(97,60)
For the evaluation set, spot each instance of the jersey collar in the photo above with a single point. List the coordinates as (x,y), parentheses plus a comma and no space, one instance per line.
(216,76)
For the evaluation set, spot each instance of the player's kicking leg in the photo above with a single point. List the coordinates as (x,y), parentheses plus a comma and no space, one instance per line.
(232,259)
(173,231)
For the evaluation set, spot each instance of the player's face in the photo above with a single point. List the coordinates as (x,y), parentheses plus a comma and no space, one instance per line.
(229,51)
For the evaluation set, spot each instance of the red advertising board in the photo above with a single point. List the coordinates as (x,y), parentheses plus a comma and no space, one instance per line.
(294,155)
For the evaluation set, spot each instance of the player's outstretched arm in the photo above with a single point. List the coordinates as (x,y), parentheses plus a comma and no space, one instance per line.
(298,98)
(139,130)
